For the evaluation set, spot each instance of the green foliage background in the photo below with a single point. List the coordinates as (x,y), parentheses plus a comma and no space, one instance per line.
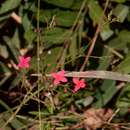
(64,30)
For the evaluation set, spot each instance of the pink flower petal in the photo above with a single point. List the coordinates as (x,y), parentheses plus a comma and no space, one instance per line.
(64,79)
(56,82)
(27,65)
(28,59)
(62,72)
(54,75)
(19,65)
(20,58)
(75,80)
(75,89)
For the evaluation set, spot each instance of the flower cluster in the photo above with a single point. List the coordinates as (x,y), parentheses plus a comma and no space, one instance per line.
(24,62)
(60,77)
(78,84)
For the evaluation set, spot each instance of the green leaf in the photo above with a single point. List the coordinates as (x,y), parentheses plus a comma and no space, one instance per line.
(15,40)
(29,34)
(84,101)
(3,68)
(71,4)
(109,90)
(124,66)
(95,11)
(9,5)
(121,40)
(5,72)
(128,16)
(2,121)
(42,113)
(80,32)
(106,32)
(4,17)
(26,23)
(119,1)
(5,105)
(65,18)
(77,4)
(50,59)
(6,77)
(73,47)
(121,12)
(16,80)
(15,123)
(123,99)
(105,60)
(61,3)
(59,17)
(55,36)
(3,51)
(14,51)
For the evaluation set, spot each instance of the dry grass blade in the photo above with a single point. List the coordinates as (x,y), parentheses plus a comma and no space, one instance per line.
(100,74)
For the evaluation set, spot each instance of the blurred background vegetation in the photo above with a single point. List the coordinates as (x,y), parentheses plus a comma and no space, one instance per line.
(60,33)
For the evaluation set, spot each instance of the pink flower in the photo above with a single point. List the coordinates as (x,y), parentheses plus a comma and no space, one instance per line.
(65,90)
(24,62)
(59,77)
(78,84)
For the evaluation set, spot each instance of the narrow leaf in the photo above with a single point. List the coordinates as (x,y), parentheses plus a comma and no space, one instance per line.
(100,74)
(108,94)
(9,5)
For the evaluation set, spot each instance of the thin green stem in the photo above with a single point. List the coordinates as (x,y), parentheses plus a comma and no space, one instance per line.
(38,62)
